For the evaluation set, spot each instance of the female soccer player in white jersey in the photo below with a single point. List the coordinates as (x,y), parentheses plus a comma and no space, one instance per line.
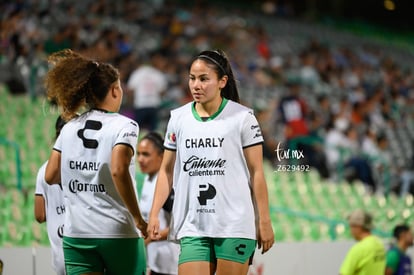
(162,255)
(49,208)
(94,160)
(214,163)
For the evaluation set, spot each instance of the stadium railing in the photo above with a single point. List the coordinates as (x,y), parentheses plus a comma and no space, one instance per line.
(332,223)
(16,148)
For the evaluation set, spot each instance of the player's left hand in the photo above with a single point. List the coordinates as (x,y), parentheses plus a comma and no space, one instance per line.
(266,237)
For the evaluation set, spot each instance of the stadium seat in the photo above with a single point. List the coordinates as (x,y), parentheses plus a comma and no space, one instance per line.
(296,232)
(16,235)
(342,232)
(39,233)
(13,196)
(280,234)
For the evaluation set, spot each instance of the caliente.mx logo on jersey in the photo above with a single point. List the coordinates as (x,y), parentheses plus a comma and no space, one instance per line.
(196,166)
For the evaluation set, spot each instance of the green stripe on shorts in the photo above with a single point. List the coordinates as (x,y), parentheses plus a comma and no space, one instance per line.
(116,255)
(210,249)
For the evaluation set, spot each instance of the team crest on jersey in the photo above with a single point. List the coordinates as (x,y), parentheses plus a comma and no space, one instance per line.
(171,137)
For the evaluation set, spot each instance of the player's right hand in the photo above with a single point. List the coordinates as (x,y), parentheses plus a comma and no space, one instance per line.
(153,228)
(142,226)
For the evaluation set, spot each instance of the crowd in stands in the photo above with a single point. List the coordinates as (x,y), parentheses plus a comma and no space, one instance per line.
(352,103)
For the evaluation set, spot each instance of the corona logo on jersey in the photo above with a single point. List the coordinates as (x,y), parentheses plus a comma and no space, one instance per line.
(60,231)
(75,187)
(196,166)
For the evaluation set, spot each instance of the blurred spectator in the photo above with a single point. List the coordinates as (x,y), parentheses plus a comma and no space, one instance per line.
(369,143)
(358,114)
(148,83)
(320,116)
(263,47)
(367,256)
(294,113)
(342,111)
(308,73)
(335,140)
(266,121)
(375,147)
(398,261)
(61,40)
(407,180)
(356,165)
(344,156)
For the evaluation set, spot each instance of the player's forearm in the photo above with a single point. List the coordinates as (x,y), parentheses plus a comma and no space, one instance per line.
(124,186)
(261,197)
(164,234)
(52,172)
(162,191)
(164,183)
(39,209)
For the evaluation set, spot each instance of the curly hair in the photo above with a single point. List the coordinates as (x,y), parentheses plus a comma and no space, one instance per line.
(75,81)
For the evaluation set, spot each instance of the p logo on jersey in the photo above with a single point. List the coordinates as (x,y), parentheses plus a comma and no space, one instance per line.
(207,192)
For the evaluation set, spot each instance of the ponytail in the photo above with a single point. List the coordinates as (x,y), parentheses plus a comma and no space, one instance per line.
(75,81)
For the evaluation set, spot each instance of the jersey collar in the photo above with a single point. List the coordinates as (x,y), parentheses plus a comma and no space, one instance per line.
(213,116)
(102,110)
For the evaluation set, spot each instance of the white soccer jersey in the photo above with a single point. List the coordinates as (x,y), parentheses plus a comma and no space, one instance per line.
(55,210)
(162,256)
(94,209)
(211,179)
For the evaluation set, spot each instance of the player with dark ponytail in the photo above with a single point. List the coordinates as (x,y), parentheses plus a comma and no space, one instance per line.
(214,162)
